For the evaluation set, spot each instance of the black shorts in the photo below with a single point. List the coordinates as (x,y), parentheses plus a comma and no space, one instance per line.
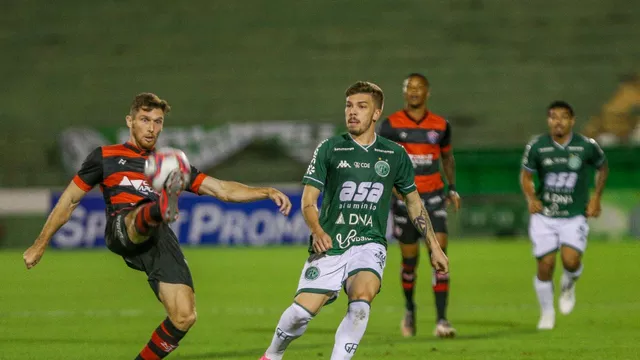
(403,229)
(160,257)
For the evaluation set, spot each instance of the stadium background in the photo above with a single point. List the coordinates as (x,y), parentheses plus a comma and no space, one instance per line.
(255,85)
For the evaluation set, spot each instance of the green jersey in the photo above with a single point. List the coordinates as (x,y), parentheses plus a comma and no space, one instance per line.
(563,172)
(357,184)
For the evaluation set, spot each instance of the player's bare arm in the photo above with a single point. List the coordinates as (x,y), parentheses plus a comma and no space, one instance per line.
(231,191)
(528,189)
(420,219)
(593,208)
(59,216)
(449,167)
(321,240)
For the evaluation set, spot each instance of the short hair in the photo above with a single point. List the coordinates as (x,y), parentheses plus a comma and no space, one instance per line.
(559,104)
(418,75)
(148,101)
(365,87)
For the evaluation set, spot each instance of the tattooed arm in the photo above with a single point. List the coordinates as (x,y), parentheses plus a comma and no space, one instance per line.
(422,223)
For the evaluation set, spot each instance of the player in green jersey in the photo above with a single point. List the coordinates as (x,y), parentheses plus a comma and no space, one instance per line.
(356,172)
(562,162)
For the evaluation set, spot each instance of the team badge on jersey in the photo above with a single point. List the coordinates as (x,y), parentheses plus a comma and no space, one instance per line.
(574,162)
(433,136)
(382,168)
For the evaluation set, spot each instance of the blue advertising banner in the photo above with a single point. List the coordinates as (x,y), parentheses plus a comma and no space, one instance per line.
(203,220)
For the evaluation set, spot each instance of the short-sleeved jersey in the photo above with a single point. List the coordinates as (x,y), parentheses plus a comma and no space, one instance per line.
(119,170)
(357,183)
(424,140)
(563,172)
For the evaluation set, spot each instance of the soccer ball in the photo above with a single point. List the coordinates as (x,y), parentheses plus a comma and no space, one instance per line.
(163,162)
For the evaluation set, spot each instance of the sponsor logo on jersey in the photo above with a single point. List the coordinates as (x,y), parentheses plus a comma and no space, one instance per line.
(382,168)
(384,151)
(350,239)
(547,162)
(361,165)
(343,164)
(312,165)
(418,160)
(140,185)
(340,220)
(546,149)
(343,149)
(575,148)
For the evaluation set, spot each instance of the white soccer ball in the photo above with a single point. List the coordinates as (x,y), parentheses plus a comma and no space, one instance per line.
(163,162)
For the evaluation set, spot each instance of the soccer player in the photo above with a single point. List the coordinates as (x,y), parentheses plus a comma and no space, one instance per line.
(137,218)
(357,172)
(427,138)
(562,161)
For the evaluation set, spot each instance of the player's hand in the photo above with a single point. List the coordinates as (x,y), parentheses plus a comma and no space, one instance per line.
(454,198)
(33,255)
(321,242)
(439,260)
(593,208)
(535,206)
(281,200)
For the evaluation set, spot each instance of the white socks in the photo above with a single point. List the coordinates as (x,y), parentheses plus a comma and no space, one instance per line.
(544,291)
(291,326)
(568,278)
(351,330)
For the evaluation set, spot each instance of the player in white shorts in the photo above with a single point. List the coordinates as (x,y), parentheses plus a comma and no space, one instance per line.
(562,162)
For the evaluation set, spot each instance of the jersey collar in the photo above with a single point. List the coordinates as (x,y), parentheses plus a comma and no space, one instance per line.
(365,147)
(136,149)
(563,146)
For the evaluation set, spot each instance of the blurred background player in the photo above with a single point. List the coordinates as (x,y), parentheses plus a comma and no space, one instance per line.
(427,138)
(562,162)
(137,222)
(357,172)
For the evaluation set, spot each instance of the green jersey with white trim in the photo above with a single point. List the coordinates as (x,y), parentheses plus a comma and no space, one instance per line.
(357,183)
(563,172)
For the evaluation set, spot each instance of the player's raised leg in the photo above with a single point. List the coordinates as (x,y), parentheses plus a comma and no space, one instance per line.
(361,289)
(179,302)
(141,221)
(441,292)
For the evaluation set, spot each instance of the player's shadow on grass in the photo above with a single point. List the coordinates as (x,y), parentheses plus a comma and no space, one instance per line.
(251,352)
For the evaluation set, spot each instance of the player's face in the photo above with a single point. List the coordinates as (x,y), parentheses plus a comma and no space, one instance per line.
(145,127)
(560,122)
(415,92)
(360,113)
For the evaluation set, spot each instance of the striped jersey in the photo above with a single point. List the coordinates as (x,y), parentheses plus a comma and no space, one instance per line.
(424,140)
(119,170)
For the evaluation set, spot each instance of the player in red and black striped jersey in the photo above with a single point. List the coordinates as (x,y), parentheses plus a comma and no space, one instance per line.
(427,139)
(137,217)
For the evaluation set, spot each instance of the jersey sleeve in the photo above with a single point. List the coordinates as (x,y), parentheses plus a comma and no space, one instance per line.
(90,173)
(405,177)
(316,174)
(196,179)
(445,142)
(530,158)
(597,158)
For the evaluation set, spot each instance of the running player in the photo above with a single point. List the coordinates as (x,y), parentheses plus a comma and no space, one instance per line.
(357,172)
(562,162)
(137,218)
(427,138)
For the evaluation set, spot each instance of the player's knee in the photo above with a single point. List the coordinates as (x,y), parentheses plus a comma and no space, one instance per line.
(571,264)
(184,319)
(545,270)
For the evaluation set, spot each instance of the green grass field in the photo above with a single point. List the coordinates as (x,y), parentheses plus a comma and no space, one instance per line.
(89,305)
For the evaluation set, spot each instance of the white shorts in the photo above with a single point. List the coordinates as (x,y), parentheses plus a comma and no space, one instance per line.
(324,274)
(549,234)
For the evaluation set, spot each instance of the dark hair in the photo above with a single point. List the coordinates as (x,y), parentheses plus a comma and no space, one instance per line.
(365,87)
(148,101)
(559,104)
(418,75)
